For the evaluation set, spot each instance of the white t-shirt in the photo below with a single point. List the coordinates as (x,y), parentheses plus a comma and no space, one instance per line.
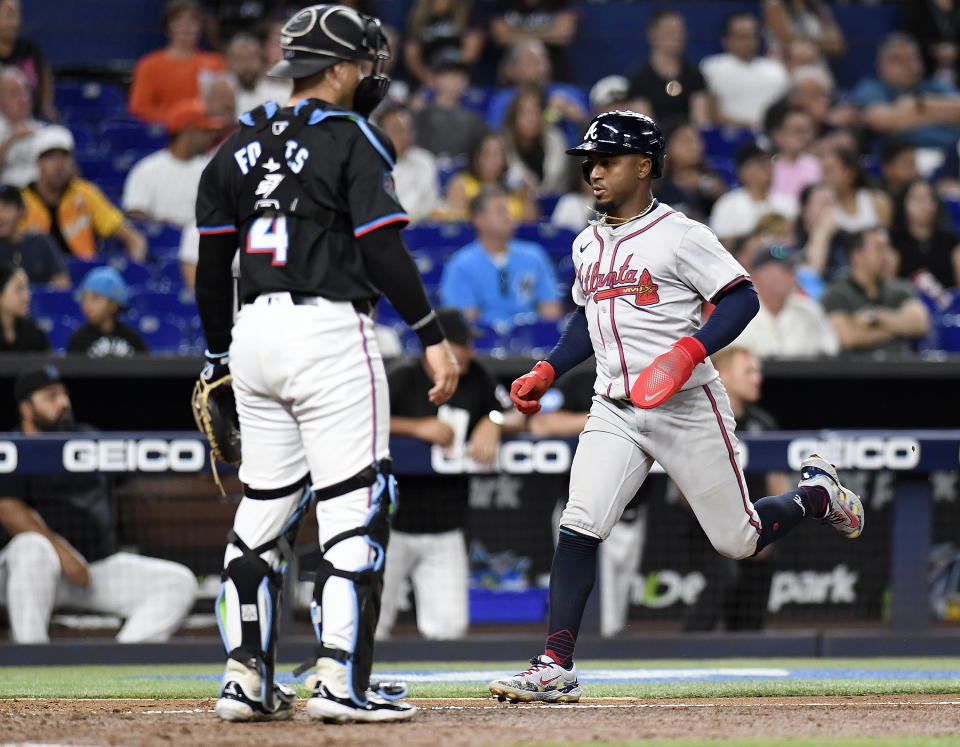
(800,330)
(745,90)
(643,285)
(572,211)
(415,177)
(19,168)
(267,89)
(164,187)
(736,213)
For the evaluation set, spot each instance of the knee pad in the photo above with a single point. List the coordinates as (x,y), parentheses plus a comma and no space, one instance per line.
(251,588)
(367,581)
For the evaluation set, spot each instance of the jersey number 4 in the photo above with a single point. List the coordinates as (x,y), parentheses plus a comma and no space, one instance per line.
(269,234)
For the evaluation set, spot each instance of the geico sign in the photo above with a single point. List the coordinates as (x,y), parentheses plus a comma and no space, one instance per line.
(513,457)
(8,457)
(857,453)
(133,455)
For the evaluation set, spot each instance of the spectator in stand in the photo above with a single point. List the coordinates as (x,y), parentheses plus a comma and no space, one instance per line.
(61,545)
(163,186)
(575,208)
(898,166)
(177,72)
(224,19)
(220,100)
(525,64)
(71,210)
(535,146)
(743,83)
(26,56)
(801,52)
(667,86)
(789,324)
(735,214)
(610,93)
(824,245)
(859,206)
(869,311)
(34,252)
(18,129)
(788,20)
(415,172)
(936,24)
(487,165)
(102,295)
(18,332)
(791,131)
(923,237)
(900,104)
(427,544)
(553,22)
(497,278)
(435,26)
(445,127)
(244,56)
(688,183)
(737,591)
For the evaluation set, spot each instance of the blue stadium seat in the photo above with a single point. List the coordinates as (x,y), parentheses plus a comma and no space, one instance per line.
(953,210)
(726,168)
(438,234)
(162,238)
(53,302)
(161,335)
(723,142)
(58,328)
(121,136)
(534,339)
(947,326)
(84,100)
(167,277)
(134,273)
(429,264)
(78,268)
(162,305)
(555,240)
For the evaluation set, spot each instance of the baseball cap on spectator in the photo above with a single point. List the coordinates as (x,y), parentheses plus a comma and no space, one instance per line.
(32,381)
(107,282)
(608,90)
(448,59)
(782,255)
(52,137)
(455,327)
(749,151)
(10,195)
(191,114)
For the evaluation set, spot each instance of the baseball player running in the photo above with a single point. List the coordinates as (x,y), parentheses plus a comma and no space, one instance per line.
(643,270)
(305,191)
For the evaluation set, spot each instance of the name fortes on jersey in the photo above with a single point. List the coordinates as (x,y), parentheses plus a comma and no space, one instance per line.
(294,154)
(621,282)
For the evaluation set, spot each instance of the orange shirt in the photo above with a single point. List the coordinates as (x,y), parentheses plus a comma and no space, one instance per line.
(83,215)
(160,80)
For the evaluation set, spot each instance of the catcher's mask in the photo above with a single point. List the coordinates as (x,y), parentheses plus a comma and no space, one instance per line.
(622,132)
(320,36)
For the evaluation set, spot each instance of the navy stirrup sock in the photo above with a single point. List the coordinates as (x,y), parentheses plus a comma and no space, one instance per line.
(572,576)
(781,513)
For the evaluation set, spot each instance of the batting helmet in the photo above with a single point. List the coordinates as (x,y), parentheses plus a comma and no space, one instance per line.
(319,36)
(623,132)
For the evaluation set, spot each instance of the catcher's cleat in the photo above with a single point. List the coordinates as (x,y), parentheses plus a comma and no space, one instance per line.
(545,681)
(845,510)
(235,705)
(332,709)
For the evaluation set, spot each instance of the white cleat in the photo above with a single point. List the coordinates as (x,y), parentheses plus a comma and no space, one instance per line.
(845,510)
(332,709)
(545,681)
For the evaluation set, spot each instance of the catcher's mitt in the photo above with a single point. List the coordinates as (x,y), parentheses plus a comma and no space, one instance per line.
(215,411)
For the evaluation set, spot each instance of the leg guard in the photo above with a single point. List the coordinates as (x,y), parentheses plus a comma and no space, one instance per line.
(367,580)
(251,589)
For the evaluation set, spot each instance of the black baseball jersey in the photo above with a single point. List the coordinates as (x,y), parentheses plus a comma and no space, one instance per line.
(299,185)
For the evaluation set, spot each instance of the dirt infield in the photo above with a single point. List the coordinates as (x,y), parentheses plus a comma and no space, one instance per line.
(470,723)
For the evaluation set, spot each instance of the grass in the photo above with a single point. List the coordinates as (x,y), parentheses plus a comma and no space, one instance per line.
(197,680)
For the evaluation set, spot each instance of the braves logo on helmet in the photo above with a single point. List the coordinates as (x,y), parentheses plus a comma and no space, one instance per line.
(624,132)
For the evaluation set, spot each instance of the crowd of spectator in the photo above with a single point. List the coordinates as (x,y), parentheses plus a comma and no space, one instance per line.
(838,201)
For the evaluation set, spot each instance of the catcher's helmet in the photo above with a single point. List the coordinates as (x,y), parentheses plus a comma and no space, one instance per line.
(319,36)
(623,132)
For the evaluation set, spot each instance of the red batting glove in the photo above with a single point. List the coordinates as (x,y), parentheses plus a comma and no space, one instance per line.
(668,372)
(530,387)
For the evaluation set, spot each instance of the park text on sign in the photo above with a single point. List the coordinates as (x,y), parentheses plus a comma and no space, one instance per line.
(133,455)
(857,453)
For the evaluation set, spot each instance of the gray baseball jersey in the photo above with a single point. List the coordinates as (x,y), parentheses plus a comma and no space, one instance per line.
(643,285)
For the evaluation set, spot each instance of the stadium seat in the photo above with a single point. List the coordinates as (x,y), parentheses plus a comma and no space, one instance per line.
(723,142)
(557,242)
(161,335)
(162,238)
(167,277)
(164,306)
(533,339)
(78,268)
(52,302)
(58,328)
(85,100)
(122,136)
(438,234)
